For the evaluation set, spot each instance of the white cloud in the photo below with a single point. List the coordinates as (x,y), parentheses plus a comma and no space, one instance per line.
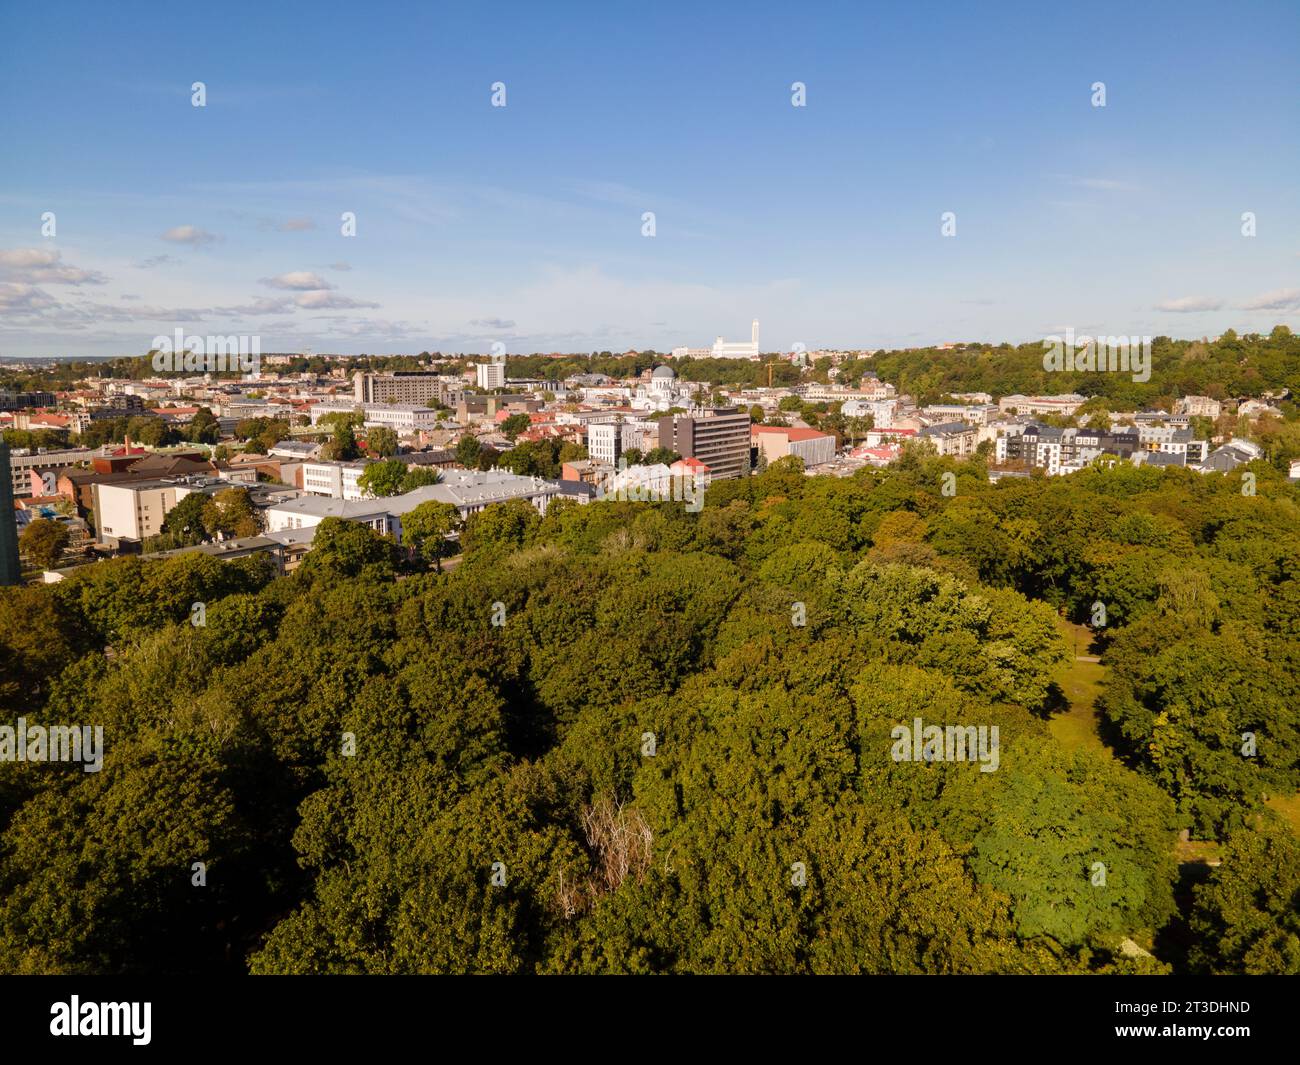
(1280,299)
(16,297)
(44,266)
(259,305)
(297,281)
(191,235)
(317,301)
(1190,304)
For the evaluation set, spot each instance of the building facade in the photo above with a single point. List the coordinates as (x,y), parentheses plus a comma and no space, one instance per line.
(717,436)
(10,572)
(776,442)
(415,387)
(723,350)
(605,442)
(490,375)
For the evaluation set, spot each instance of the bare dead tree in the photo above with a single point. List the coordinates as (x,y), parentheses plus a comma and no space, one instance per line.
(619,842)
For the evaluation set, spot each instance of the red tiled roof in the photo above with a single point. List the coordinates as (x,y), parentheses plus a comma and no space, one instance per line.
(792,434)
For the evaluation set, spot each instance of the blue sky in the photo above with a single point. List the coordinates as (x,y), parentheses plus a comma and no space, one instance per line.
(523,224)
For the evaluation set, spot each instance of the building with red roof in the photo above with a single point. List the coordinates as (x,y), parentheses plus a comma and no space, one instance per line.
(775,442)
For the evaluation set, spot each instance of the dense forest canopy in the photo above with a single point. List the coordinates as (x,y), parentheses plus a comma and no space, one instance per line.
(627,738)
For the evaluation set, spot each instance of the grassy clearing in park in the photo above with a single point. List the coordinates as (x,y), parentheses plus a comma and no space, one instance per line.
(1077,727)
(1289,807)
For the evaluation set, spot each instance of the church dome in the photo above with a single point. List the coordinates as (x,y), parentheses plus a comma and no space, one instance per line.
(663,373)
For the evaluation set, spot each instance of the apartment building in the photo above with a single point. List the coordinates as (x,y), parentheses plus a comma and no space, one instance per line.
(717,436)
(1199,407)
(21,400)
(1061,450)
(952,438)
(1172,440)
(23,463)
(413,387)
(605,442)
(640,433)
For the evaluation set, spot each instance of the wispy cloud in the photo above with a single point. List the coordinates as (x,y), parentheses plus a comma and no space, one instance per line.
(1280,299)
(296,225)
(191,235)
(297,281)
(1099,183)
(44,266)
(1190,304)
(330,301)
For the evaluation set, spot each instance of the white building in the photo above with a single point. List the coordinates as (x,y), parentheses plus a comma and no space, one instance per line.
(334,480)
(1065,404)
(662,392)
(871,390)
(490,375)
(1199,406)
(306,512)
(605,442)
(723,350)
(136,510)
(402,418)
(470,492)
(881,411)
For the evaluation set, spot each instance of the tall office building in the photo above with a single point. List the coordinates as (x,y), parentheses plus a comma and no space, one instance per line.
(717,436)
(492,374)
(10,572)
